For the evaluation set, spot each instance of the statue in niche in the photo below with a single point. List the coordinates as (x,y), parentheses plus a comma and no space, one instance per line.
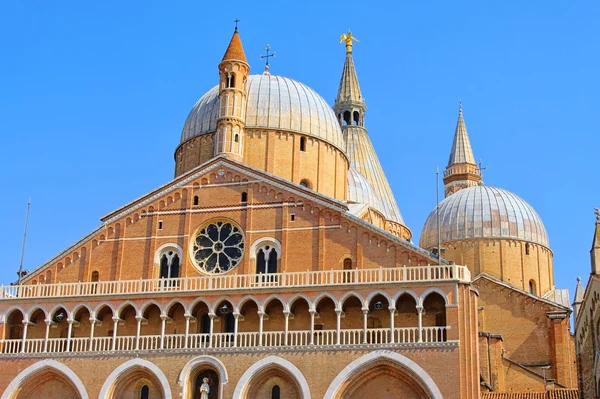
(204,389)
(206,385)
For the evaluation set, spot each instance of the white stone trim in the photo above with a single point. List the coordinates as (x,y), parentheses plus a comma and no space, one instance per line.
(177,248)
(337,226)
(151,367)
(267,361)
(39,366)
(429,291)
(405,362)
(184,374)
(263,241)
(141,238)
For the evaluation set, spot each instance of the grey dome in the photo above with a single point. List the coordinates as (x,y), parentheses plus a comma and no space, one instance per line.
(273,102)
(360,190)
(484,212)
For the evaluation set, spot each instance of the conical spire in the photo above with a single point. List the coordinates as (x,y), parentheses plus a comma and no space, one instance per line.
(235,50)
(595,252)
(461,152)
(578,297)
(349,90)
(462,171)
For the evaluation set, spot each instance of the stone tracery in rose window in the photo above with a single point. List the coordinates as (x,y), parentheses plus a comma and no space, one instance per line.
(218,247)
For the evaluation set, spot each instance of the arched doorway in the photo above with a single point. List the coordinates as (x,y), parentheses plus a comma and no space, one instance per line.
(385,375)
(46,379)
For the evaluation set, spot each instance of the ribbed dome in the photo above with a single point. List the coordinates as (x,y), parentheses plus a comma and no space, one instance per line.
(484,212)
(273,102)
(360,191)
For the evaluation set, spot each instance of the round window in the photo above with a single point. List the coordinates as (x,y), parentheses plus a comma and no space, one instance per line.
(217,247)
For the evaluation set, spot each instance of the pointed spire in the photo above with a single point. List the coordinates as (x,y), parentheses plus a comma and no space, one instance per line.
(595,252)
(461,152)
(462,170)
(578,297)
(235,50)
(349,90)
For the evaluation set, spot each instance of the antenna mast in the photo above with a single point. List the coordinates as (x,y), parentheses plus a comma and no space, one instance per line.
(437,212)
(24,240)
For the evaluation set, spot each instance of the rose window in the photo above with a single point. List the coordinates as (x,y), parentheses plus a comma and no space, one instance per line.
(218,247)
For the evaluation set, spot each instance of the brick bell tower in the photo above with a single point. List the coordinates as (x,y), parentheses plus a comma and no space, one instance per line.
(462,171)
(233,75)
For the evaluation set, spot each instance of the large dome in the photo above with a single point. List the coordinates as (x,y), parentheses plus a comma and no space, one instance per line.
(360,190)
(273,102)
(484,212)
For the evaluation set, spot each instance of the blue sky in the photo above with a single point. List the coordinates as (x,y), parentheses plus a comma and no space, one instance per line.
(94,96)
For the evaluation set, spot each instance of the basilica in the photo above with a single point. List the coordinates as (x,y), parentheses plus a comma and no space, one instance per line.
(276,264)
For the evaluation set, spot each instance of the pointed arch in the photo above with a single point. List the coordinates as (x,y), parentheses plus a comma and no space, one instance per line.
(146,305)
(325,295)
(132,364)
(40,366)
(35,308)
(397,358)
(186,371)
(56,308)
(101,306)
(172,303)
(378,292)
(195,303)
(352,294)
(78,307)
(407,292)
(122,306)
(267,362)
(275,297)
(241,303)
(431,290)
(297,296)
(8,311)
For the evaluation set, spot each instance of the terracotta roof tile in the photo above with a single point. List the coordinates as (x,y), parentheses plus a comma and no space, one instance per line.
(553,394)
(235,51)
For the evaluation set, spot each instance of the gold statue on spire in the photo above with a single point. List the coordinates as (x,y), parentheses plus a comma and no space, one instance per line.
(348,38)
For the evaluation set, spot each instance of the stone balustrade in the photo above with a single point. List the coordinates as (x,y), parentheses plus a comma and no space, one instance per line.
(241,282)
(266,340)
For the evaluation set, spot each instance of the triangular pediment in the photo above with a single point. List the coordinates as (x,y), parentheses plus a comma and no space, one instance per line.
(214,188)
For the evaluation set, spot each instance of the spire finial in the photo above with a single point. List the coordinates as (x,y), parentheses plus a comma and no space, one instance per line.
(267,49)
(597,213)
(236,24)
(459,107)
(348,38)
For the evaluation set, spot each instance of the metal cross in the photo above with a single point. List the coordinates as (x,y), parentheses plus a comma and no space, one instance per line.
(268,48)
(236,23)
(481,169)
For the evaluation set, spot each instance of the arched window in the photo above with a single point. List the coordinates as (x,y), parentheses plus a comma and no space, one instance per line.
(347,266)
(347,117)
(532,287)
(169,264)
(232,80)
(266,262)
(276,392)
(305,183)
(145,392)
(303,144)
(236,138)
(356,118)
(244,197)
(196,200)
(95,277)
(527,249)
